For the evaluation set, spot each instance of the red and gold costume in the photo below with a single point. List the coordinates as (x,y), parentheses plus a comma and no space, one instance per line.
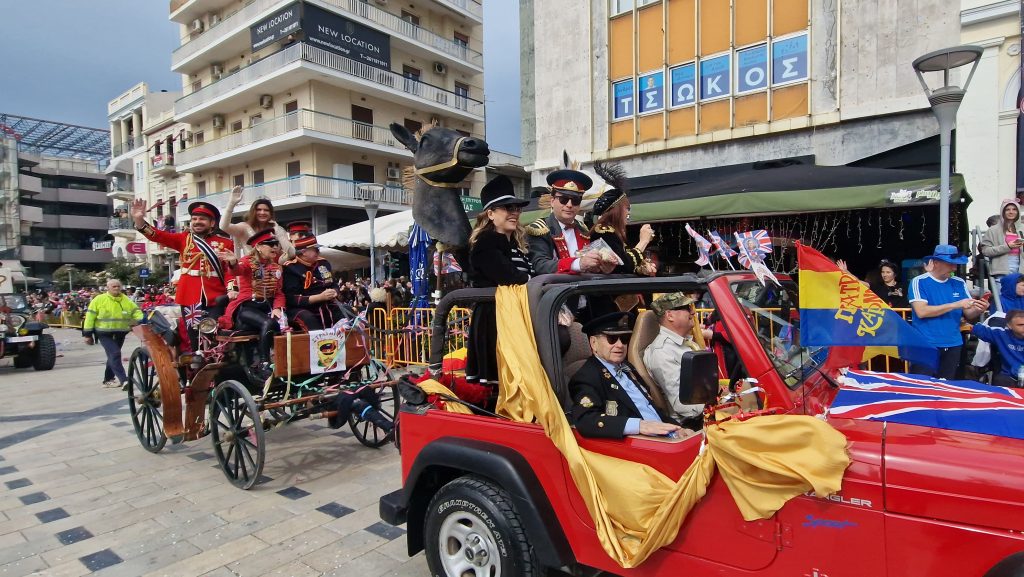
(258,282)
(199,283)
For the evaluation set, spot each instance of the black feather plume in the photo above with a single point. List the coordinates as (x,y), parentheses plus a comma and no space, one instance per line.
(614,174)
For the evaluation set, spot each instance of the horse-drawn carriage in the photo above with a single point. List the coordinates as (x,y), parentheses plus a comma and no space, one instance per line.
(213,391)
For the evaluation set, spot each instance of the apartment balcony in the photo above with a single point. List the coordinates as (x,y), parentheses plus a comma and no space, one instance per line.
(120,192)
(84,256)
(132,143)
(30,214)
(28,184)
(230,36)
(468,8)
(162,164)
(309,190)
(289,132)
(300,63)
(121,226)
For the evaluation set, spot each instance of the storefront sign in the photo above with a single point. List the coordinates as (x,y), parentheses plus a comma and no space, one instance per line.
(276,27)
(343,36)
(715,77)
(684,85)
(789,60)
(135,248)
(652,92)
(752,69)
(471,204)
(103,245)
(622,95)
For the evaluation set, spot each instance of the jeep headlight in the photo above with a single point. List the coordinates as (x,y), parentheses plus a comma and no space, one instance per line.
(16,321)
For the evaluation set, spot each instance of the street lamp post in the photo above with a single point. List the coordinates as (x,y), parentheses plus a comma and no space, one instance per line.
(371,213)
(945,101)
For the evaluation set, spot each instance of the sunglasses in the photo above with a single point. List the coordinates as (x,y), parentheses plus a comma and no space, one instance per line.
(613,339)
(271,243)
(568,199)
(513,208)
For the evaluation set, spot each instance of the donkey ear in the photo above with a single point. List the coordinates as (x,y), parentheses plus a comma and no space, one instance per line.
(565,159)
(404,136)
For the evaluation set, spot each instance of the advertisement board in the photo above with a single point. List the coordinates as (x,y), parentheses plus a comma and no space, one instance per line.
(652,92)
(342,36)
(622,96)
(752,69)
(277,26)
(789,60)
(684,85)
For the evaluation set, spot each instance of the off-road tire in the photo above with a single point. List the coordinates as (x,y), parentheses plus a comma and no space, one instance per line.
(480,508)
(46,353)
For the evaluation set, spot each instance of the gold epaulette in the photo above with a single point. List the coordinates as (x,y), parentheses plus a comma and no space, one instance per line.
(602,229)
(584,231)
(537,228)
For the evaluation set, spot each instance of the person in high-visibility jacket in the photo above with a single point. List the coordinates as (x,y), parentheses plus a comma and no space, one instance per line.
(108,319)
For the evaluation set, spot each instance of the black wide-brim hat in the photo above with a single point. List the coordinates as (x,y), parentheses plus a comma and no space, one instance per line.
(608,199)
(569,181)
(500,192)
(203,208)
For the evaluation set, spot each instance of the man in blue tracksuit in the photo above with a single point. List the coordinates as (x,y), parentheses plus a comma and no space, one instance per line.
(1010,343)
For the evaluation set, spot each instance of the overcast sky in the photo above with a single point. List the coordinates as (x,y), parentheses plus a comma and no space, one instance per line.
(63,60)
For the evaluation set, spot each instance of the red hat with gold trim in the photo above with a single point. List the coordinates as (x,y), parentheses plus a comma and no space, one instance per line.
(299,227)
(307,241)
(262,237)
(569,181)
(202,208)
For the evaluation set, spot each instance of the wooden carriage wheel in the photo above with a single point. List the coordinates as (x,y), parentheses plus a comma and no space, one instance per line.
(237,432)
(144,401)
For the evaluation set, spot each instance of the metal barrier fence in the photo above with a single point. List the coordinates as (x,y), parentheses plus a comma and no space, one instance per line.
(402,337)
(66,320)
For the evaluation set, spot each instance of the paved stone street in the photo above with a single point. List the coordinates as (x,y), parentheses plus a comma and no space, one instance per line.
(82,496)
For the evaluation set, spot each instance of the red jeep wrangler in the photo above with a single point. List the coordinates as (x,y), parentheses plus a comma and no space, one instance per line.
(487,496)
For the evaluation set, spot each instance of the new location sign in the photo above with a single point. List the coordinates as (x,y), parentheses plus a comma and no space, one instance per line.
(277,26)
(343,36)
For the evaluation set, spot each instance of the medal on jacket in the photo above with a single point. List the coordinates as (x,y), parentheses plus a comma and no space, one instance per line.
(611,408)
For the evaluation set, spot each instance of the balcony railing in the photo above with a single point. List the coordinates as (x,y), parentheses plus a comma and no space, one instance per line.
(471,6)
(302,119)
(390,21)
(304,52)
(305,185)
(121,223)
(127,146)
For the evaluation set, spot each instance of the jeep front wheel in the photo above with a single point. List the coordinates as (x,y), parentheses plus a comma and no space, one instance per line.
(472,530)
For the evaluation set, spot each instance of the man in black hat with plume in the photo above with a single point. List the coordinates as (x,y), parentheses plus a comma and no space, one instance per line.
(609,397)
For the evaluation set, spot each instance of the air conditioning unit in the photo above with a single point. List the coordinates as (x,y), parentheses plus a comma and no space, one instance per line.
(189,137)
(266,101)
(440,68)
(218,121)
(216,70)
(394,173)
(214,19)
(197,25)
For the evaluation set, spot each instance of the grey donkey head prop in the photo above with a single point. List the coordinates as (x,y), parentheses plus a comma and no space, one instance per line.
(443,158)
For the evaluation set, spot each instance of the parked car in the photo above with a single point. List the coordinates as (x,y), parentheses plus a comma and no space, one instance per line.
(488,496)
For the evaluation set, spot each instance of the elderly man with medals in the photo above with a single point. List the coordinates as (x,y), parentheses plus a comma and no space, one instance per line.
(201,249)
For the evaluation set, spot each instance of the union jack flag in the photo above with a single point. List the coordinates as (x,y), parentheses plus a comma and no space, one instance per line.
(753,245)
(703,247)
(450,264)
(723,247)
(191,315)
(917,400)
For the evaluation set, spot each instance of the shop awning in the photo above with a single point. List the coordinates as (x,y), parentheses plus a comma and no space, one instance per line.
(341,260)
(390,231)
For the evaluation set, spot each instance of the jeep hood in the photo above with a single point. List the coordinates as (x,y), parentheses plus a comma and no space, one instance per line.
(954,476)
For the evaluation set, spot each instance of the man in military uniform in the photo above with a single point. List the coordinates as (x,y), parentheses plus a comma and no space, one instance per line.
(609,397)
(299,229)
(555,239)
(202,249)
(663,356)
(309,288)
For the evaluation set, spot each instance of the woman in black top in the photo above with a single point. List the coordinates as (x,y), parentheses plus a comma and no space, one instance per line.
(890,289)
(497,254)
(612,212)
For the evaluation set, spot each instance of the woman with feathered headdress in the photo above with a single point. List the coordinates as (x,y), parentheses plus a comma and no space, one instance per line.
(612,212)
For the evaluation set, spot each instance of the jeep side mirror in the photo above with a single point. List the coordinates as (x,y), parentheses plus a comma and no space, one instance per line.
(698,378)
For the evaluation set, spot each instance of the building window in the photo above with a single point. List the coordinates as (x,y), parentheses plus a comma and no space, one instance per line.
(412,125)
(257,177)
(156,147)
(197,85)
(236,126)
(462,132)
(640,3)
(620,6)
(197,137)
(461,39)
(139,174)
(412,79)
(255,119)
(292,169)
(362,123)
(411,18)
(362,172)
(201,189)
(238,180)
(461,96)
(290,107)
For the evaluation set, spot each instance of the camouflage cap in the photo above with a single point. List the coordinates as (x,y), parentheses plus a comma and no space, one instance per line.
(670,301)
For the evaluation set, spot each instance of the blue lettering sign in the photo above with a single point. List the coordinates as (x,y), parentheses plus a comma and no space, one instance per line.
(684,85)
(752,69)
(714,77)
(622,99)
(652,92)
(789,60)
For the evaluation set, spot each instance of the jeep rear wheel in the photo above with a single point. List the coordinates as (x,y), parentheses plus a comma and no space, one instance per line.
(472,530)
